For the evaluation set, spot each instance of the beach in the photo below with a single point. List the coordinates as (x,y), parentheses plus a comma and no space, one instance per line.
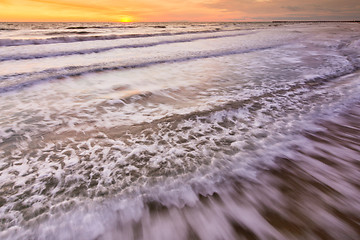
(180,130)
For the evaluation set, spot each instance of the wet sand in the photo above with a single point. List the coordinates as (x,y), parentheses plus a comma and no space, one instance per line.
(250,131)
(312,194)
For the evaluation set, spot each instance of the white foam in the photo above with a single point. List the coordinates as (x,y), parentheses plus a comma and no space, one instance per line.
(163,133)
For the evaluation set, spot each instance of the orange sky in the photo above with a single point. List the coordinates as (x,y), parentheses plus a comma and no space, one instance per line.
(178,10)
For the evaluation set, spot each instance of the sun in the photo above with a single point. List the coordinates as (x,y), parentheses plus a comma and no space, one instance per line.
(126,19)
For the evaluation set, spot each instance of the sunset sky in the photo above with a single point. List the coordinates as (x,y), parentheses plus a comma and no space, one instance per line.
(178,10)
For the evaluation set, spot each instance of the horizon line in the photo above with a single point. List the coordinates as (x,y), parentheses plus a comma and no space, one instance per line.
(268,21)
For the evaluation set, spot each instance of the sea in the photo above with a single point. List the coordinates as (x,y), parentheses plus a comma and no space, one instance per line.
(180,131)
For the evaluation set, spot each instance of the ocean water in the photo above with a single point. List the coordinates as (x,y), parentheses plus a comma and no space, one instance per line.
(179,131)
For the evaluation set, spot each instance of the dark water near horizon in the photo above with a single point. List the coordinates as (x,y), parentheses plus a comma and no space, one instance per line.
(179,131)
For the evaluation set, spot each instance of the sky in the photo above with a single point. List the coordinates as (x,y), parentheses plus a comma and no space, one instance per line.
(177,10)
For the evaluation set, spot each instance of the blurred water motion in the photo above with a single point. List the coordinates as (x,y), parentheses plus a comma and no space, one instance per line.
(193,131)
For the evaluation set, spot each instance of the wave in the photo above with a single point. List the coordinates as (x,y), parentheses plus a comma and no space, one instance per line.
(34,78)
(68,32)
(217,187)
(19,42)
(77,27)
(7,29)
(102,27)
(159,26)
(72,71)
(104,49)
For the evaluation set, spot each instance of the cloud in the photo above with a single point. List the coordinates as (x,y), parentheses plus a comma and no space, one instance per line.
(176,10)
(107,6)
(293,8)
(75,10)
(73,5)
(273,9)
